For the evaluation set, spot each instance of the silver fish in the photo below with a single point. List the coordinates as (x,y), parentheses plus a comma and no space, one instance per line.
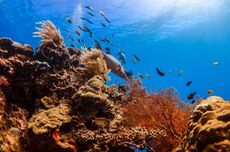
(115,66)
(122,57)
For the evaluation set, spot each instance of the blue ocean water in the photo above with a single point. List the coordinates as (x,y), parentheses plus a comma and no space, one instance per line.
(171,35)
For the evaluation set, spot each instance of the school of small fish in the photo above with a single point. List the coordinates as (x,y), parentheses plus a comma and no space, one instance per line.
(117,65)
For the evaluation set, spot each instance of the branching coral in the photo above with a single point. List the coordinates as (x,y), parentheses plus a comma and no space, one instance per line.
(94,62)
(124,138)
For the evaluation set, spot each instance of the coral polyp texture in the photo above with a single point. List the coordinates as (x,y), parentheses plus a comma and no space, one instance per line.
(209,127)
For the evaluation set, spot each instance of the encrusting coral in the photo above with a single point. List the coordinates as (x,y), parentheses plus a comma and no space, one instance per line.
(52,118)
(209,127)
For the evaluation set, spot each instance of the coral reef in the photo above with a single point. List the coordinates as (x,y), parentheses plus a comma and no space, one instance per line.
(209,127)
(57,100)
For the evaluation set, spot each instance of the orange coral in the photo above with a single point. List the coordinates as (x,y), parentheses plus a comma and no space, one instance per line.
(163,110)
(55,135)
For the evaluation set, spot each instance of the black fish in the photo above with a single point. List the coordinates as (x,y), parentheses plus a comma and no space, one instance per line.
(161,73)
(102,24)
(140,75)
(67,30)
(107,20)
(193,101)
(82,40)
(72,45)
(85,19)
(138,59)
(191,95)
(107,40)
(79,41)
(107,49)
(102,40)
(89,7)
(188,83)
(129,74)
(102,13)
(89,31)
(97,46)
(78,33)
(90,13)
(82,28)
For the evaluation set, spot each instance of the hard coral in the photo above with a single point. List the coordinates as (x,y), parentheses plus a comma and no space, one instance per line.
(92,95)
(94,62)
(18,70)
(12,126)
(41,122)
(209,127)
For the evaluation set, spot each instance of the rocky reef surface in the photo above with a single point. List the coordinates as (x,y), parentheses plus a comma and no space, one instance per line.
(209,127)
(55,99)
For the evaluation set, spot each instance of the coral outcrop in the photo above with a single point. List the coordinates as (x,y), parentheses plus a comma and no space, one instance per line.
(209,127)
(94,62)
(49,119)
(56,99)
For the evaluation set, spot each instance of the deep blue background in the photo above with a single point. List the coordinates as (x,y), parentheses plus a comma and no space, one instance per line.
(168,34)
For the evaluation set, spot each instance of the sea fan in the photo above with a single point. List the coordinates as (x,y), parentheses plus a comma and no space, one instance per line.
(94,62)
(49,33)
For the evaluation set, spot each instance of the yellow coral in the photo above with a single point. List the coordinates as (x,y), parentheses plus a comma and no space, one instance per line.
(51,118)
(94,62)
(50,34)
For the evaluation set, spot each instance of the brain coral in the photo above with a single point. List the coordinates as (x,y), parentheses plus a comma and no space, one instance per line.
(209,127)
